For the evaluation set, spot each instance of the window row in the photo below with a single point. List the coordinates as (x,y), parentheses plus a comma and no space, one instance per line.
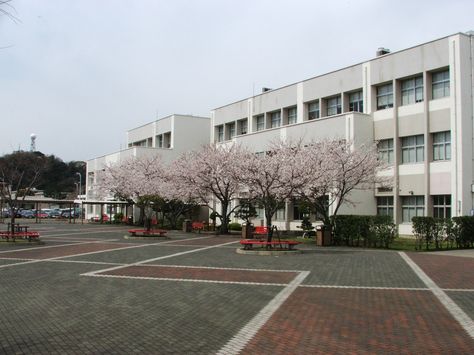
(413,148)
(414,206)
(411,90)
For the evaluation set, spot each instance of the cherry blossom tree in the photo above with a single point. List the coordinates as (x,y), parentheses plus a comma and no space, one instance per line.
(176,200)
(271,178)
(137,179)
(338,168)
(209,174)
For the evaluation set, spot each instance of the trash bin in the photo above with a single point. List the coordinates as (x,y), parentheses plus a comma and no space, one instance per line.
(130,220)
(247,231)
(187,226)
(323,236)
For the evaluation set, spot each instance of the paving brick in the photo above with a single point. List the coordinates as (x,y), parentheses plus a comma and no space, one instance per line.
(323,321)
(446,271)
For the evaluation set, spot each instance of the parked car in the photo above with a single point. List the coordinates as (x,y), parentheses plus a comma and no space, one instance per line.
(7,213)
(42,214)
(55,213)
(27,214)
(72,213)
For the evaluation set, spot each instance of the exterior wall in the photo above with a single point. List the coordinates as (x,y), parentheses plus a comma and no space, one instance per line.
(190,132)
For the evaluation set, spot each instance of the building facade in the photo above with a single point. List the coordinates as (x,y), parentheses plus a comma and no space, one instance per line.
(417,104)
(167,137)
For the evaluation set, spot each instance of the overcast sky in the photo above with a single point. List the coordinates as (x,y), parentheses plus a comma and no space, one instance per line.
(80,73)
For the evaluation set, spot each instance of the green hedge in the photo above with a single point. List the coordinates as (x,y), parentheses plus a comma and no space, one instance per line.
(439,233)
(363,231)
(235,226)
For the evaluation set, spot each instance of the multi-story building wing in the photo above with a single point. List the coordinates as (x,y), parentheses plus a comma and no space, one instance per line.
(168,137)
(417,104)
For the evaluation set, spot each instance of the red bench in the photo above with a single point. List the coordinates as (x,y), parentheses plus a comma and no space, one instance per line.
(260,231)
(199,226)
(151,232)
(20,235)
(284,244)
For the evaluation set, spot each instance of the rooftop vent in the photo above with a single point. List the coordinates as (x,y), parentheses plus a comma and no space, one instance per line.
(382,51)
(265,89)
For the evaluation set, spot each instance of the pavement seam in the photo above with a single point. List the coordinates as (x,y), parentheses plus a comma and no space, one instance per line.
(240,340)
(461,317)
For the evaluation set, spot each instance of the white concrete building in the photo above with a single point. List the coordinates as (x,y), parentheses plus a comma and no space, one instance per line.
(168,137)
(417,104)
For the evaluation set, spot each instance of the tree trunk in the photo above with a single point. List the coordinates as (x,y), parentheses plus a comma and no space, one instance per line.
(269,226)
(224,219)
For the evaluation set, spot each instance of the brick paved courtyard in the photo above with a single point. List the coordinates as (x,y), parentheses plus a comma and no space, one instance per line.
(88,290)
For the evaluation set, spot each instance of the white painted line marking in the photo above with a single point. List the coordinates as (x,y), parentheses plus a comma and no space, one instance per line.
(46,247)
(158,258)
(221,268)
(21,263)
(32,261)
(189,280)
(369,287)
(239,341)
(463,319)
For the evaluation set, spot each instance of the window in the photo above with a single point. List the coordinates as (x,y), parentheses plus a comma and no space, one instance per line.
(220,133)
(280,214)
(243,126)
(159,141)
(300,210)
(442,206)
(384,96)
(356,103)
(385,206)
(275,118)
(412,90)
(440,84)
(412,206)
(334,106)
(292,115)
(442,145)
(385,150)
(313,110)
(260,122)
(231,130)
(167,140)
(413,149)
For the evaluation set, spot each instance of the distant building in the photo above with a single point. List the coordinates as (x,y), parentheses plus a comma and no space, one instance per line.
(168,137)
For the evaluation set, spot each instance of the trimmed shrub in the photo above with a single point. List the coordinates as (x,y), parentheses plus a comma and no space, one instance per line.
(464,231)
(366,231)
(443,233)
(235,227)
(118,218)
